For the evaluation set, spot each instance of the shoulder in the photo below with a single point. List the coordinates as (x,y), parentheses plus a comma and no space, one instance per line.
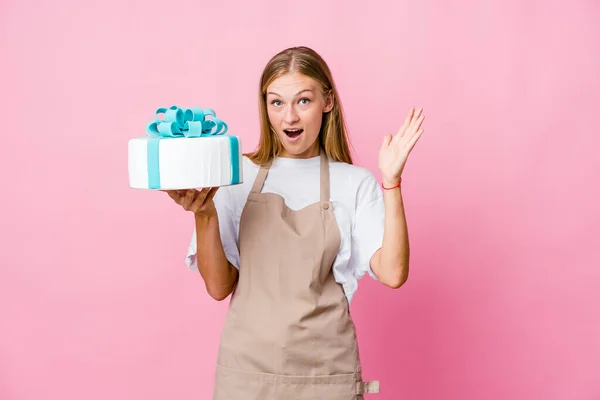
(353,171)
(248,162)
(233,196)
(359,178)
(355,182)
(249,172)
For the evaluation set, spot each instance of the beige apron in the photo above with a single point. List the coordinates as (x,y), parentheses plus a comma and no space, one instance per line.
(288,334)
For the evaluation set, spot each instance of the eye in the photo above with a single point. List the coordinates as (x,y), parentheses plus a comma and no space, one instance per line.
(276,103)
(306,101)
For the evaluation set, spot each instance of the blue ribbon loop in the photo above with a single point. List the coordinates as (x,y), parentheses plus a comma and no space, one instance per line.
(186,123)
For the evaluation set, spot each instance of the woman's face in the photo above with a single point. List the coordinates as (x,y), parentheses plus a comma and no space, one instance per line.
(295,106)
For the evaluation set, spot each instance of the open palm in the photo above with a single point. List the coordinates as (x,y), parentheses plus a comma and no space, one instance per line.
(395,149)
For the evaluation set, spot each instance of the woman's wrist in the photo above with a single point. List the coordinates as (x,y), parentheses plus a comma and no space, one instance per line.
(389,184)
(204,219)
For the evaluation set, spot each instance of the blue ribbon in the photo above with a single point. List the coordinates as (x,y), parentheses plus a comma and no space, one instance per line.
(186,123)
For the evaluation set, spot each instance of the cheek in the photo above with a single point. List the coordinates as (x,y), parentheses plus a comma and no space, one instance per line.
(273,117)
(314,118)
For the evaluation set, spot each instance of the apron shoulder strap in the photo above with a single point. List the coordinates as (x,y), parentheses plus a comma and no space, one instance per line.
(324,179)
(260,178)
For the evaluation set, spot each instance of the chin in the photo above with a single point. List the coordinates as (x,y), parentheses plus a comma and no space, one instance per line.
(300,149)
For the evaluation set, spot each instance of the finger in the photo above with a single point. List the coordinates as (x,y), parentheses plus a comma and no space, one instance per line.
(211,195)
(387,139)
(416,116)
(188,198)
(198,201)
(206,191)
(411,143)
(203,194)
(206,195)
(405,126)
(415,125)
(173,194)
(406,122)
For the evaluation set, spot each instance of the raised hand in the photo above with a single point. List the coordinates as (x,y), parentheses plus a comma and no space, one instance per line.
(395,149)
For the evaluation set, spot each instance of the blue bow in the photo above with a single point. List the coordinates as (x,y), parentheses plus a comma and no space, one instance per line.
(186,122)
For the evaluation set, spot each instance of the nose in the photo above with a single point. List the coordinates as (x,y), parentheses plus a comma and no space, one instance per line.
(290,115)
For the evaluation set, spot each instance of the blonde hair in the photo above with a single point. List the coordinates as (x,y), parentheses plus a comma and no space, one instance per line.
(334,133)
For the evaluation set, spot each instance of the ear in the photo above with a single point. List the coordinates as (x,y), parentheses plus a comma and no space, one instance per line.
(329,101)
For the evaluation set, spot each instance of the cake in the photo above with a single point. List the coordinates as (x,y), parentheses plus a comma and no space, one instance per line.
(186,149)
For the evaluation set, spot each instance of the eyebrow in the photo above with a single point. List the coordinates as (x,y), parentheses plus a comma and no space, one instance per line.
(302,91)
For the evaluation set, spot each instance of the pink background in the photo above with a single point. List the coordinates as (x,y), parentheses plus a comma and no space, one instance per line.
(501,192)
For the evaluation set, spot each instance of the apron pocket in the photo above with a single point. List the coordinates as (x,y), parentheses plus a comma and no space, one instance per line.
(234,384)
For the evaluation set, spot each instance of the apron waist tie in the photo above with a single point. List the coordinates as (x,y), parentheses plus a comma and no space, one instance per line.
(367,387)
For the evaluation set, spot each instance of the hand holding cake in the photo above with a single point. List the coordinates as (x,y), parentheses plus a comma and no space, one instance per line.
(200,202)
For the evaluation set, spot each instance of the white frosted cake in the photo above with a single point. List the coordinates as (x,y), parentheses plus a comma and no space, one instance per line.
(184,150)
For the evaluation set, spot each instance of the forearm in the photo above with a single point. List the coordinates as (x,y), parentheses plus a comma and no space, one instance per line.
(391,262)
(218,274)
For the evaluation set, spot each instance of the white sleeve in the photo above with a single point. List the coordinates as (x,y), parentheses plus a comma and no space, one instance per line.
(367,230)
(227,211)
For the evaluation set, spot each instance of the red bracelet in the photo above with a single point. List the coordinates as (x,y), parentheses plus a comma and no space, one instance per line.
(393,187)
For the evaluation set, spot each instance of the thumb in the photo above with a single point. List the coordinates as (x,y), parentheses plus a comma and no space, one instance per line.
(387,139)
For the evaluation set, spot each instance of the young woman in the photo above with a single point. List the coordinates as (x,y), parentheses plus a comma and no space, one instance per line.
(292,241)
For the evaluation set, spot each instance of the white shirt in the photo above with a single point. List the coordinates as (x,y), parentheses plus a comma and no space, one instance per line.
(357,201)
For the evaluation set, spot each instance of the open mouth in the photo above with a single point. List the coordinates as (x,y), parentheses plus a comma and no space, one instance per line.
(293,133)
